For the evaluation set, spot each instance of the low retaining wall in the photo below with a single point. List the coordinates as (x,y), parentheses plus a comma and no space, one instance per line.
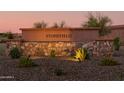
(96,48)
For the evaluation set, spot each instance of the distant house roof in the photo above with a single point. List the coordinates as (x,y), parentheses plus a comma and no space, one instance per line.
(117,26)
(59,29)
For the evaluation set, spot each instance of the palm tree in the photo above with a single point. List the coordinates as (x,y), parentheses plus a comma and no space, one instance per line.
(103,22)
(40,25)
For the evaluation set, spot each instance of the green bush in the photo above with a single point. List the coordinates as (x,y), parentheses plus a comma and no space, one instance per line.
(15,53)
(116,43)
(26,62)
(52,53)
(108,62)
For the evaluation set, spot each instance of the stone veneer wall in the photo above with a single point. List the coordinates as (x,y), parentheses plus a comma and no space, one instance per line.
(96,48)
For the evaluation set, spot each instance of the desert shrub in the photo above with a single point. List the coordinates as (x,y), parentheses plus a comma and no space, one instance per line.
(81,54)
(2,49)
(15,53)
(108,62)
(116,43)
(52,53)
(59,72)
(10,35)
(26,62)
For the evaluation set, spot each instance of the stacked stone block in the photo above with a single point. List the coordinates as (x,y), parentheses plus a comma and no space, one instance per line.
(98,48)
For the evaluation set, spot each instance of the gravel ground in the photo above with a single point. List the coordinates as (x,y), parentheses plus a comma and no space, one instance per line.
(74,71)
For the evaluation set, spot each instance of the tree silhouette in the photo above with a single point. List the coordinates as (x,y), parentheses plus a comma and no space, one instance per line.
(60,25)
(103,22)
(40,25)
(55,25)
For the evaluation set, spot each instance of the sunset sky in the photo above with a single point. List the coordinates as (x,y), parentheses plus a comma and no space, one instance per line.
(12,21)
